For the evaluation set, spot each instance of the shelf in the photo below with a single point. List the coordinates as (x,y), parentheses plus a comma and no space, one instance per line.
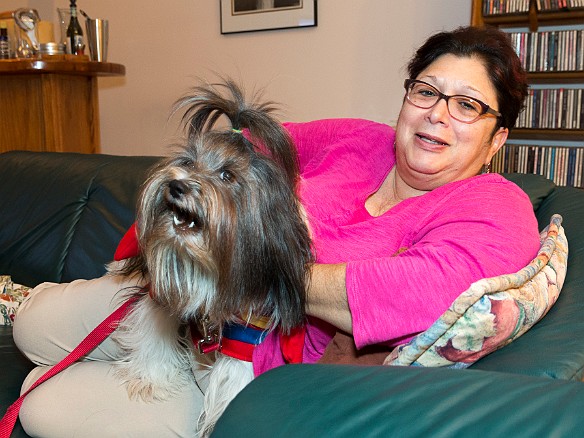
(538,19)
(63,64)
(574,16)
(532,18)
(547,134)
(558,77)
(506,20)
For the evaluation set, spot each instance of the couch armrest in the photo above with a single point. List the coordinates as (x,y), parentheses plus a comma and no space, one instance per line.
(351,401)
(554,347)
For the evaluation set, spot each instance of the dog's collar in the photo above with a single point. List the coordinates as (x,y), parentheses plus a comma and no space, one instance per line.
(206,342)
(237,340)
(292,345)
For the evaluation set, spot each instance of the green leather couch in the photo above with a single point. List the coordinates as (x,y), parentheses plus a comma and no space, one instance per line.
(62,215)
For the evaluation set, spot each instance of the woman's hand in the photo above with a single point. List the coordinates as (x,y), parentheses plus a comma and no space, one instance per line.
(327,295)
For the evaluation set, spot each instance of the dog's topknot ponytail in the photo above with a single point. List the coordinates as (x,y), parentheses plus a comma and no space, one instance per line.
(251,121)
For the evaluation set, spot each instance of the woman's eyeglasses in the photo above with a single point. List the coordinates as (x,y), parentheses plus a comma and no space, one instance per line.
(465,109)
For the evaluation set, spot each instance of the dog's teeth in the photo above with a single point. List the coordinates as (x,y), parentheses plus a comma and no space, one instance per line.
(176,221)
(192,224)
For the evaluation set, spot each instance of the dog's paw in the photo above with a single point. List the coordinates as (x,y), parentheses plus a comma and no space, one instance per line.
(147,391)
(140,387)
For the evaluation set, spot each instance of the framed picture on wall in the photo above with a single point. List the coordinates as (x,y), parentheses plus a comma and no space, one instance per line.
(254,15)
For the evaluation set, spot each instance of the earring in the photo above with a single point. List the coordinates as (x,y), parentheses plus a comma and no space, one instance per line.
(487,168)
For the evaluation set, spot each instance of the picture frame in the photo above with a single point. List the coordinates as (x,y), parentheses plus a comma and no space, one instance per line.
(259,15)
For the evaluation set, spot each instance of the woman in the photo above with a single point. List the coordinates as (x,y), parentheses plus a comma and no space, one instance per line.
(402,223)
(401,246)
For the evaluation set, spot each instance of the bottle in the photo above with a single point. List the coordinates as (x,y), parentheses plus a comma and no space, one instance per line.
(4,43)
(75,44)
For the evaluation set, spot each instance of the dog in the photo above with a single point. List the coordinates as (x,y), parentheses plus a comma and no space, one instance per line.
(223,243)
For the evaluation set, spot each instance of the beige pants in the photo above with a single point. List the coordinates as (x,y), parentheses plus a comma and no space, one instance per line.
(87,400)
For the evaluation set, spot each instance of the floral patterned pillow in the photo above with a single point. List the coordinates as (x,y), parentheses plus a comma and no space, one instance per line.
(11,295)
(493,312)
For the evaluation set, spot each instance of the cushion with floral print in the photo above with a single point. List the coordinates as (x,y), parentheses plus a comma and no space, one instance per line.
(11,295)
(493,312)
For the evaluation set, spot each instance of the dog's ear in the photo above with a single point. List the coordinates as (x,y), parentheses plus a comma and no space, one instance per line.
(268,249)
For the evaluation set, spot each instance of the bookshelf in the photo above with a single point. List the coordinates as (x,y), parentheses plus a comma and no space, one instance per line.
(549,37)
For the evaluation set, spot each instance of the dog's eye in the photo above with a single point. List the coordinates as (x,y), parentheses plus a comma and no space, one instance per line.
(226,176)
(186,162)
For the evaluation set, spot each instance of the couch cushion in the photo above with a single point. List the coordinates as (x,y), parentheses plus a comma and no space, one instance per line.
(362,401)
(492,312)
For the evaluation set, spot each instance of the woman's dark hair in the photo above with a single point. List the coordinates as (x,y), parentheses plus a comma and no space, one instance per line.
(495,49)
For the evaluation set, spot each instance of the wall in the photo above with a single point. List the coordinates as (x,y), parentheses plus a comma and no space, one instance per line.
(350,65)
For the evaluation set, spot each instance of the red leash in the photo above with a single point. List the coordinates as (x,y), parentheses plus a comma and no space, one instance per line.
(292,345)
(92,340)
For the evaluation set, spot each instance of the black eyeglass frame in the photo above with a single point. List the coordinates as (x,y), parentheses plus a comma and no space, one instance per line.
(484,107)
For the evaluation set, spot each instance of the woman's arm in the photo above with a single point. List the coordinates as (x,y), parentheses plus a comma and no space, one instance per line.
(389,298)
(327,296)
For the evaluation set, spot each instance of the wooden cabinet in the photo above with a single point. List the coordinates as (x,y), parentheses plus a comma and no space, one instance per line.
(51,104)
(562,143)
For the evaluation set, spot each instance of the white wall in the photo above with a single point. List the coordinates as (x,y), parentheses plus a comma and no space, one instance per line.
(350,65)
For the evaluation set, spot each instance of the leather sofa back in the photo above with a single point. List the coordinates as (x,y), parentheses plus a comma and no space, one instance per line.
(62,215)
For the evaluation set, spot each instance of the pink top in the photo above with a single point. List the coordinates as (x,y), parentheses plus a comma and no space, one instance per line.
(446,239)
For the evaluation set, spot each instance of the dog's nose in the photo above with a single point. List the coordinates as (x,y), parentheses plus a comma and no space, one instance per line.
(177,188)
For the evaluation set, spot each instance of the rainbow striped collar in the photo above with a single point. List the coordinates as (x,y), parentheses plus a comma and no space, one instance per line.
(237,340)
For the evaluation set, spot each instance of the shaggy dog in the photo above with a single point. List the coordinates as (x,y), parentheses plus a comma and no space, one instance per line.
(222,244)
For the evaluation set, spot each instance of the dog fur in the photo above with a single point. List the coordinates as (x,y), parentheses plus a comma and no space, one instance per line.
(221,236)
